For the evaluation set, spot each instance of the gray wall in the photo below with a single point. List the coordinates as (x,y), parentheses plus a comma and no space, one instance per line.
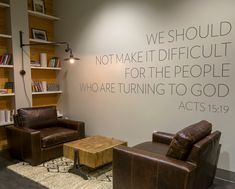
(112,38)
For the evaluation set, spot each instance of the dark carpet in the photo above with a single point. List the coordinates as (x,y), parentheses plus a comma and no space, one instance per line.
(11,180)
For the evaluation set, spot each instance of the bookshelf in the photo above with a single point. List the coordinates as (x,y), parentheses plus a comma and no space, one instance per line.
(4,5)
(40,41)
(6,124)
(7,95)
(45,68)
(47,92)
(43,21)
(6,66)
(6,71)
(44,16)
(5,36)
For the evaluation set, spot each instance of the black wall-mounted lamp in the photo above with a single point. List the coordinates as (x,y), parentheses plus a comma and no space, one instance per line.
(68,49)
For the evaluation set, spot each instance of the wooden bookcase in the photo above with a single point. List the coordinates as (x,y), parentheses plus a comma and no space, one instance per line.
(43,21)
(6,71)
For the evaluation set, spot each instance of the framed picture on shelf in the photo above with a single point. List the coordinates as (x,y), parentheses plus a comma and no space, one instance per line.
(39,34)
(39,6)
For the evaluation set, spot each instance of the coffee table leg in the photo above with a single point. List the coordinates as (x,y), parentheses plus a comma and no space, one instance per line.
(76,159)
(77,166)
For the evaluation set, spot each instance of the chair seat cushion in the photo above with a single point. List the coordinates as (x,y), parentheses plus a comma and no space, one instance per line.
(158,148)
(56,135)
(183,141)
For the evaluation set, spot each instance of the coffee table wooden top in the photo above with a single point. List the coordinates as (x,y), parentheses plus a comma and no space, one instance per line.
(94,144)
(94,151)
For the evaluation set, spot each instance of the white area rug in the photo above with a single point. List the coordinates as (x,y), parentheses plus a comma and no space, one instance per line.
(54,175)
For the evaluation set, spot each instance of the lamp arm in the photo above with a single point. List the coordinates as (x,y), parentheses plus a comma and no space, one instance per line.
(67,49)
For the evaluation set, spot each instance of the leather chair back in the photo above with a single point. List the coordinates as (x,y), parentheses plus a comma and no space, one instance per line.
(38,117)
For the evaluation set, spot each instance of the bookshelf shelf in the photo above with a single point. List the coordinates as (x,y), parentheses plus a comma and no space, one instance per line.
(4,5)
(5,36)
(6,124)
(8,94)
(6,66)
(47,92)
(40,41)
(44,68)
(41,15)
(60,115)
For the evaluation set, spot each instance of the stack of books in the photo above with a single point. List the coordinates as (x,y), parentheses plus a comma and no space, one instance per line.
(6,59)
(54,62)
(35,63)
(39,86)
(8,88)
(3,91)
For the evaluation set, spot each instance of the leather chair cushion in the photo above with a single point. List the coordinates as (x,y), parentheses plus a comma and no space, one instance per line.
(158,148)
(38,117)
(183,141)
(56,135)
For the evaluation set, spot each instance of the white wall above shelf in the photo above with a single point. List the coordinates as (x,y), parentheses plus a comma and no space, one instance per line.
(8,94)
(4,5)
(44,68)
(5,36)
(41,15)
(47,92)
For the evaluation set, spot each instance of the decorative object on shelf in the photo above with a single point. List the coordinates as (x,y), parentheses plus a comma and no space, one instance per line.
(44,86)
(6,116)
(39,34)
(43,59)
(2,117)
(53,87)
(39,6)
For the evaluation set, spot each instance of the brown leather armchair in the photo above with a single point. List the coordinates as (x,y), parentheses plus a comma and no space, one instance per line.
(186,160)
(38,136)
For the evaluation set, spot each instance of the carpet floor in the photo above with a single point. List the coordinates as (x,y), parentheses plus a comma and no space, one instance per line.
(55,175)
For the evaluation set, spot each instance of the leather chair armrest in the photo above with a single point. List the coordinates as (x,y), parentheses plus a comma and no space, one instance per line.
(162,137)
(75,125)
(24,143)
(135,168)
(21,130)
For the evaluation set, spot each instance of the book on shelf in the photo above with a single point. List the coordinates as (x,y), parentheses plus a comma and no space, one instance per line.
(54,62)
(35,63)
(39,86)
(5,59)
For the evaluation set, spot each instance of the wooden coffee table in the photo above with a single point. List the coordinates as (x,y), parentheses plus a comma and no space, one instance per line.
(94,151)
